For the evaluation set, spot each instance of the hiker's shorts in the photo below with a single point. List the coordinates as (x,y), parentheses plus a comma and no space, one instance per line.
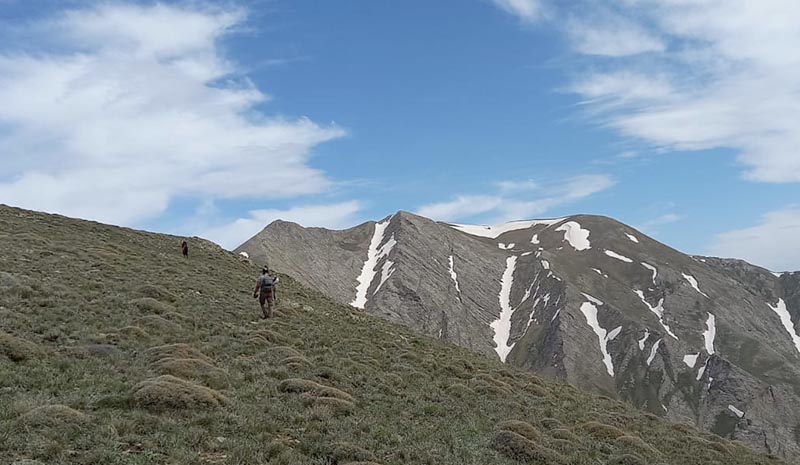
(266,296)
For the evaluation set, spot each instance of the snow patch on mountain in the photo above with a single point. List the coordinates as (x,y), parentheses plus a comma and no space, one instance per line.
(693,282)
(536,302)
(493,232)
(387,270)
(600,272)
(651,268)
(506,246)
(653,351)
(590,312)
(710,333)
(453,274)
(691,360)
(736,411)
(702,369)
(786,320)
(502,326)
(643,340)
(374,253)
(613,254)
(528,291)
(545,264)
(593,300)
(658,310)
(535,239)
(577,237)
(632,238)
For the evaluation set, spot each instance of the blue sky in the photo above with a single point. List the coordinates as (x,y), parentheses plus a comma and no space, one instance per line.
(195,118)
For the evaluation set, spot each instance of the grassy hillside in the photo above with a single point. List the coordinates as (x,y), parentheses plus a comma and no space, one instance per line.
(116,350)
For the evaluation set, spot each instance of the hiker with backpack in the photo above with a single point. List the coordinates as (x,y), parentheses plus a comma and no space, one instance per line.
(265,291)
(185,249)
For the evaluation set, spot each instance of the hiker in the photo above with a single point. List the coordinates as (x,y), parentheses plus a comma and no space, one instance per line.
(265,291)
(185,249)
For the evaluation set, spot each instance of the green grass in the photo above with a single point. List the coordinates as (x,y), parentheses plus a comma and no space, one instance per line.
(116,350)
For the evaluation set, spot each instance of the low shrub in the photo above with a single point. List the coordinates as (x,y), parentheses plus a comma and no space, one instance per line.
(601,431)
(301,386)
(151,305)
(16,349)
(518,447)
(52,415)
(169,392)
(520,427)
(193,368)
(179,350)
(626,459)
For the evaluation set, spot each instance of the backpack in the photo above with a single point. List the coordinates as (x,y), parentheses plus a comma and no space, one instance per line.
(267,283)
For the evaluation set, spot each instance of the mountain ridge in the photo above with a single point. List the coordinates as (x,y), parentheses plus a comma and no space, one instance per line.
(601,305)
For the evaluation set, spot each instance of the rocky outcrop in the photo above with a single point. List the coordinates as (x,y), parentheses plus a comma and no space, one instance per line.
(584,299)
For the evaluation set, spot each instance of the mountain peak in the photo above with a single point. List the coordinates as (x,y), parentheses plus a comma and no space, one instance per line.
(583,298)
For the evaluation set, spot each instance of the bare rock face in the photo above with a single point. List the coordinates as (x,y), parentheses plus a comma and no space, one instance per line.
(584,299)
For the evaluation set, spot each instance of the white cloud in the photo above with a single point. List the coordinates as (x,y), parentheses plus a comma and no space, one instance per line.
(462,206)
(730,78)
(527,10)
(651,226)
(774,243)
(332,216)
(517,186)
(508,205)
(611,35)
(129,107)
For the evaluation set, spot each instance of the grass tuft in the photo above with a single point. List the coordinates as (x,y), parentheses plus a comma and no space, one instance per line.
(520,427)
(193,368)
(602,431)
(520,448)
(53,416)
(169,392)
(304,386)
(16,349)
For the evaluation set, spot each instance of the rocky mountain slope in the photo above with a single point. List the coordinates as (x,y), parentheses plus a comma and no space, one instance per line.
(116,350)
(583,299)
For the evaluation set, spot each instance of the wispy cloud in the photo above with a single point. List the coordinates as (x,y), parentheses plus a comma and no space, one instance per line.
(136,106)
(517,186)
(526,10)
(651,226)
(611,35)
(508,205)
(774,243)
(691,75)
(730,79)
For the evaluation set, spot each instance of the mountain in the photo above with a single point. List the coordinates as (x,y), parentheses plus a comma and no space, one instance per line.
(584,299)
(114,349)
